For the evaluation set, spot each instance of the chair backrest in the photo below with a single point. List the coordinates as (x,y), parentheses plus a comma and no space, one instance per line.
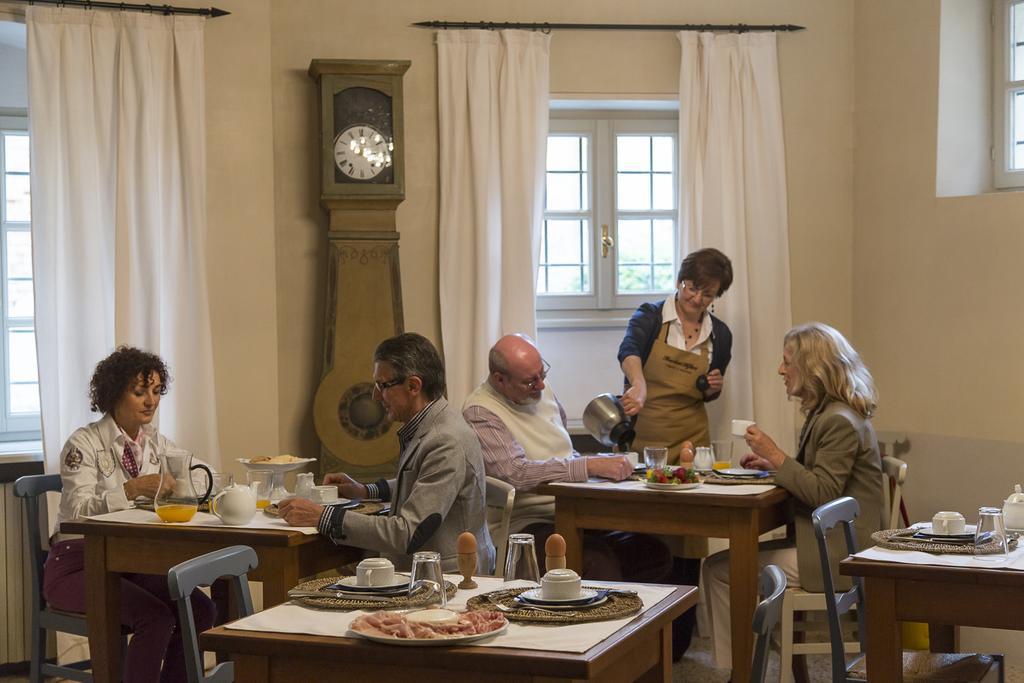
(234,562)
(501,496)
(839,512)
(895,471)
(30,488)
(766,616)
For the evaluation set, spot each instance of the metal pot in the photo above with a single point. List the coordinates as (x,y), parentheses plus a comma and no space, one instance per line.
(607,422)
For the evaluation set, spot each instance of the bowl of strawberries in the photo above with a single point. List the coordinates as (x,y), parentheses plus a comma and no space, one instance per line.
(671,478)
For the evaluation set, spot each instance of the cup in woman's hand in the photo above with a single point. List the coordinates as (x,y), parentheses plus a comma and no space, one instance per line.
(739,427)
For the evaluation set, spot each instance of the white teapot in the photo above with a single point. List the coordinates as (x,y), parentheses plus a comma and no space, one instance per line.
(235,505)
(1013,509)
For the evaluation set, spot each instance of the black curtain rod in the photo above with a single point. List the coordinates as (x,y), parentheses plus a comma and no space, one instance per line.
(211,12)
(546,27)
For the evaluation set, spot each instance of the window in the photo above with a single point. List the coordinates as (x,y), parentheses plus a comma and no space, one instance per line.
(19,400)
(609,238)
(1008,96)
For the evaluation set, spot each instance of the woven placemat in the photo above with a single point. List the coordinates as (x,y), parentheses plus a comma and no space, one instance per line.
(886,539)
(716,479)
(617,606)
(419,598)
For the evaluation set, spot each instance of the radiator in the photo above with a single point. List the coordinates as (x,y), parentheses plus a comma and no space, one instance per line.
(15,580)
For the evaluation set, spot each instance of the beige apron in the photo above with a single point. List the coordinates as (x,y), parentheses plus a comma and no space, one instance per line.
(674,412)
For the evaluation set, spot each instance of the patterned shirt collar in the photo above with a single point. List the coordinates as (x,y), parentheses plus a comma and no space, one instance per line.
(409,428)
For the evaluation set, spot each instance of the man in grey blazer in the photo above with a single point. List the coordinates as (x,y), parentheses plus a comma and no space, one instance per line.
(439,491)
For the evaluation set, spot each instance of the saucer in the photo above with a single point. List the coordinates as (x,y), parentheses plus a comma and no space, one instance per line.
(349,584)
(925,531)
(587,598)
(742,473)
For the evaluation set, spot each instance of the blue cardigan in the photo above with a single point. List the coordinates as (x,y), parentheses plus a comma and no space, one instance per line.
(645,325)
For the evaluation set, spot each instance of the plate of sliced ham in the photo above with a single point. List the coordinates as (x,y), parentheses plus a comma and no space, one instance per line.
(396,628)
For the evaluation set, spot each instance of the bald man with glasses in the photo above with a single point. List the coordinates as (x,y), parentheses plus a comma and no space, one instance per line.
(525,442)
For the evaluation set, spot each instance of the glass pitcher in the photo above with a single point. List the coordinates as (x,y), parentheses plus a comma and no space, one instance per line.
(177,500)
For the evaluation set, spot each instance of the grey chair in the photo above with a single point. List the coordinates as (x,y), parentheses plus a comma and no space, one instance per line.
(233,562)
(766,618)
(917,666)
(44,619)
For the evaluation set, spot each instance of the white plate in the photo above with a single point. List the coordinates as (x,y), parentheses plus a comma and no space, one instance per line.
(671,487)
(419,642)
(349,582)
(586,598)
(278,467)
(742,472)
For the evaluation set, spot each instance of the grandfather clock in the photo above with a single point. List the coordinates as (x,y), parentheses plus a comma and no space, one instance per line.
(362,174)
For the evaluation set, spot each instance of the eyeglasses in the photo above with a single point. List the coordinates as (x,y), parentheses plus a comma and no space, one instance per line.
(532,383)
(379,387)
(690,289)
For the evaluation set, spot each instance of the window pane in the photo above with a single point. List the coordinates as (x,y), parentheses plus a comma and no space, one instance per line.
(16,153)
(664,277)
(19,253)
(664,241)
(662,149)
(664,192)
(542,280)
(634,278)
(1017,161)
(564,192)
(634,153)
(566,153)
(634,191)
(24,398)
(19,298)
(17,199)
(1017,40)
(565,280)
(634,242)
(23,356)
(565,244)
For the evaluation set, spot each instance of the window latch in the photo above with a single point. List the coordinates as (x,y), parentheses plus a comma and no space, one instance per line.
(607,243)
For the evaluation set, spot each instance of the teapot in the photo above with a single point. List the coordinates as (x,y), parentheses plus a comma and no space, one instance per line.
(1013,509)
(607,422)
(235,505)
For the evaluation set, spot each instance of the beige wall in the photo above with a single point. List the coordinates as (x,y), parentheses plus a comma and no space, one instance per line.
(816,70)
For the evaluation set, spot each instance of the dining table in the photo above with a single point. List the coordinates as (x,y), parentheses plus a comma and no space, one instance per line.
(135,541)
(740,513)
(293,642)
(943,591)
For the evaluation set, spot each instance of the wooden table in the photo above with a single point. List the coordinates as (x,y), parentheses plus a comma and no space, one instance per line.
(112,548)
(741,519)
(641,650)
(940,596)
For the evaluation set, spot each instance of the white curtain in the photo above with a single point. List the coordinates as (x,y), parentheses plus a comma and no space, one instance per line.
(733,197)
(493,115)
(116,115)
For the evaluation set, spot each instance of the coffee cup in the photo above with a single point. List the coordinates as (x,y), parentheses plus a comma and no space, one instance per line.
(633,457)
(560,584)
(739,427)
(375,571)
(948,523)
(324,494)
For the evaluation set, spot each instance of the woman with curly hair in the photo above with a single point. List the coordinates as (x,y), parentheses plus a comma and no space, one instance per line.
(104,466)
(837,456)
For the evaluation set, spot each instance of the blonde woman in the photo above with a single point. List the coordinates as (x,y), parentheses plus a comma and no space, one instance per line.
(837,456)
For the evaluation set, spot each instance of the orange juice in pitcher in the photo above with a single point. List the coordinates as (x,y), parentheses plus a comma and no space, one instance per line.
(176,512)
(177,500)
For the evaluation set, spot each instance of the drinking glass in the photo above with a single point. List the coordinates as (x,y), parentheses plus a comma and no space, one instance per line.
(655,456)
(723,454)
(991,531)
(221,480)
(260,482)
(521,561)
(426,572)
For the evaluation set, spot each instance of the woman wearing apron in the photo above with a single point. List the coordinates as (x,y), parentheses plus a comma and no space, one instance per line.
(674,356)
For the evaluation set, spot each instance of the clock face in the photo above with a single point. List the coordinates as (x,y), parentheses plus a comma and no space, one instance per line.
(363,136)
(361,152)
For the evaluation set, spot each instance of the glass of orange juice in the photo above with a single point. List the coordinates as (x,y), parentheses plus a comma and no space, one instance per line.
(260,482)
(723,454)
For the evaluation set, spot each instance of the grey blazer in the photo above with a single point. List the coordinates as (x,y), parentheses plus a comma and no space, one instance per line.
(438,494)
(838,456)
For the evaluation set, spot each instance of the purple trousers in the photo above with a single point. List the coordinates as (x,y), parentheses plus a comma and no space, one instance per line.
(155,649)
